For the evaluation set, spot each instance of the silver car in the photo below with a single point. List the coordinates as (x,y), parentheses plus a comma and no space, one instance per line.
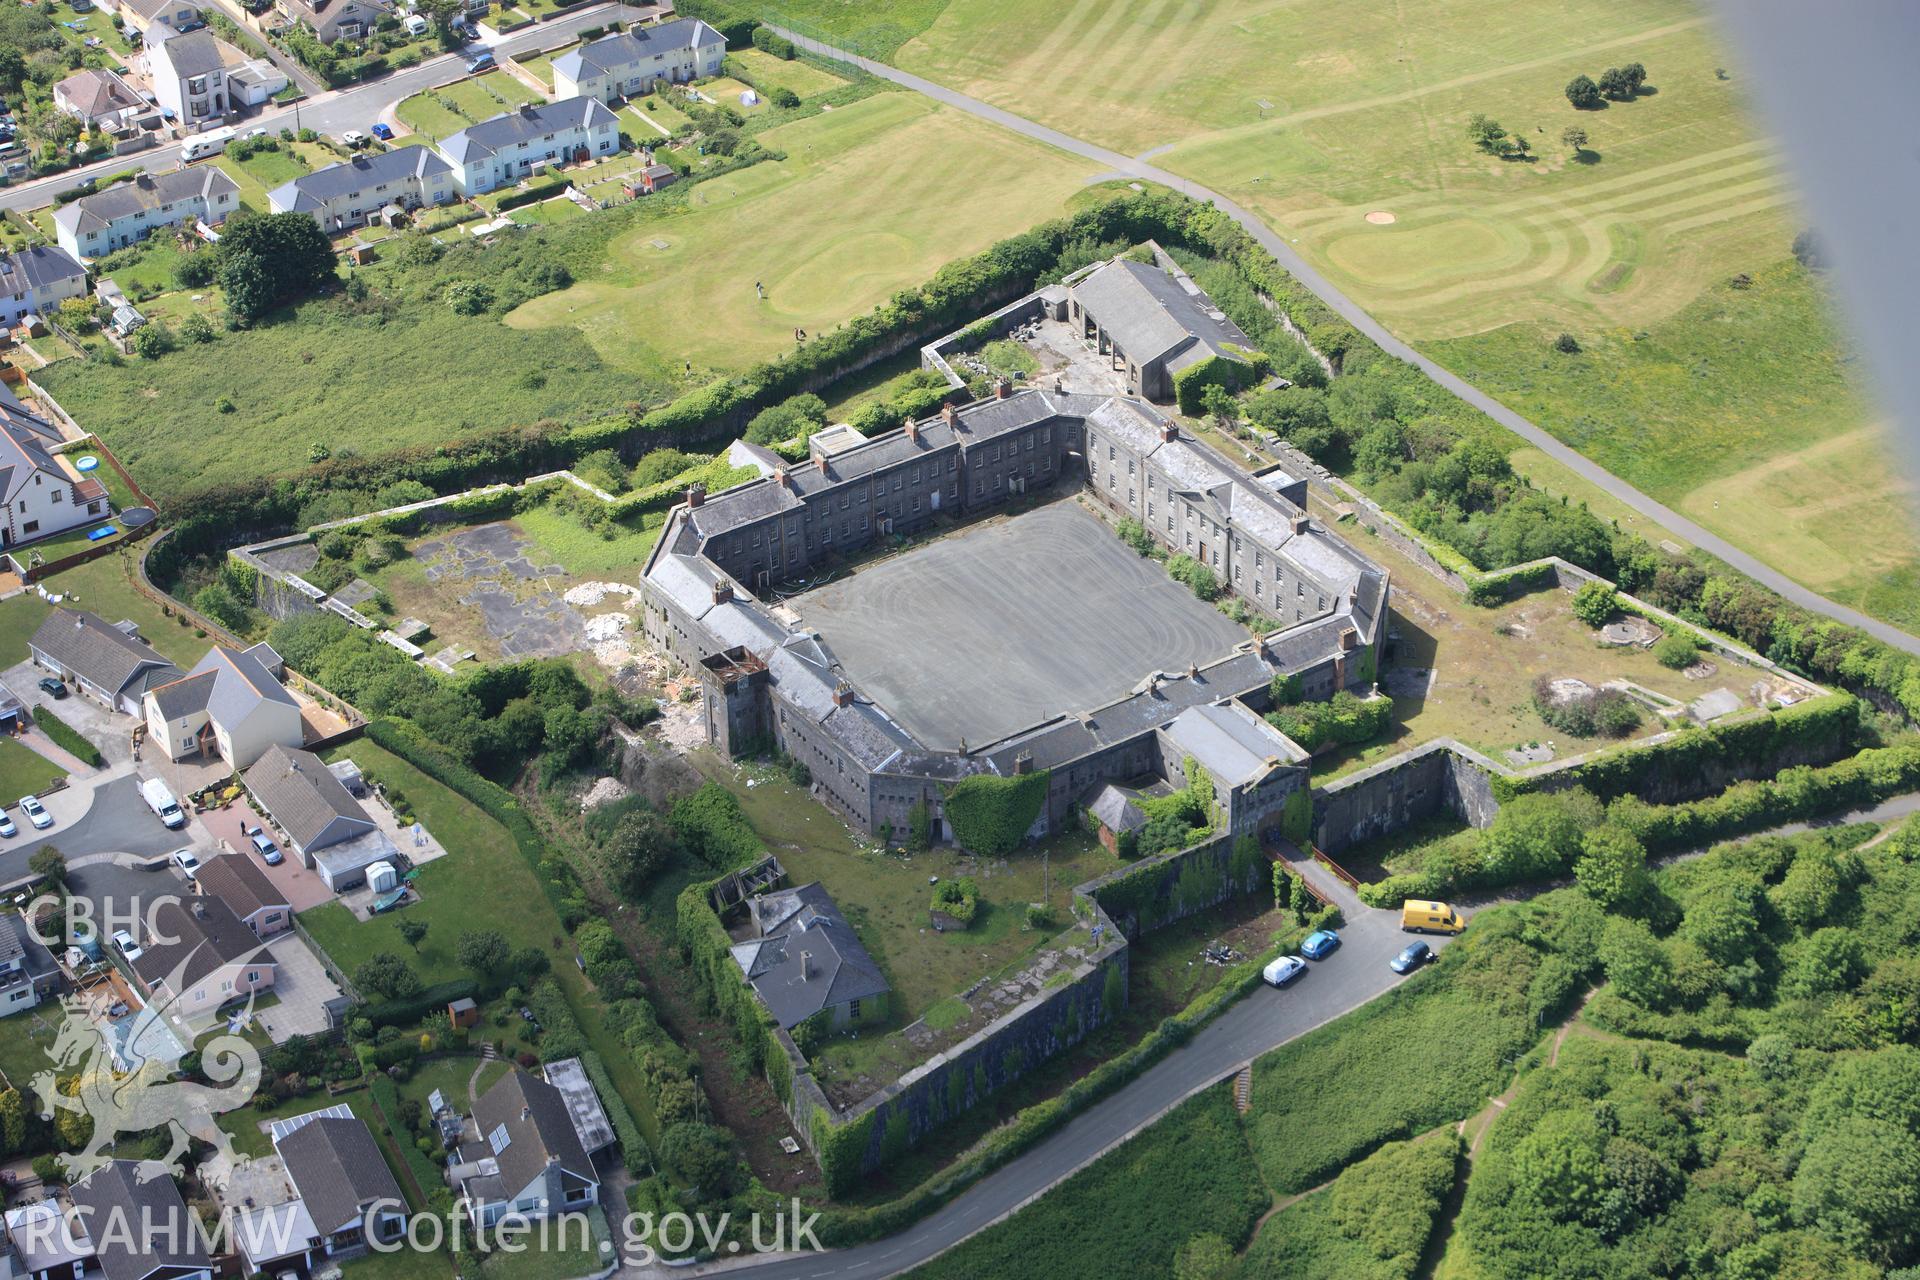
(36,812)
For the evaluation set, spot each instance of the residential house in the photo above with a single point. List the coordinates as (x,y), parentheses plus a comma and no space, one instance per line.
(41,492)
(503,149)
(141,1230)
(325,825)
(355,192)
(125,212)
(231,705)
(248,892)
(639,60)
(1148,322)
(188,71)
(520,1154)
(342,1183)
(805,961)
(213,958)
(48,1243)
(36,281)
(331,20)
(27,969)
(110,664)
(101,99)
(177,15)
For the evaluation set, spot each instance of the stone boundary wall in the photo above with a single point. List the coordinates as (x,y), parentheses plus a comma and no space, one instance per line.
(1442,776)
(1148,895)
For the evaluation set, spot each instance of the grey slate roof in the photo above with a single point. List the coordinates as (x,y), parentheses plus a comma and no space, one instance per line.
(533,121)
(1115,810)
(105,656)
(137,1227)
(236,881)
(36,268)
(13,939)
(227,684)
(1151,317)
(1231,743)
(206,935)
(610,53)
(148,191)
(97,93)
(807,958)
(538,1126)
(190,53)
(362,173)
(338,1171)
(304,797)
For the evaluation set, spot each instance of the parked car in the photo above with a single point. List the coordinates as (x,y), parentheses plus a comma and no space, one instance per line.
(186,859)
(1415,955)
(36,812)
(123,943)
(7,828)
(269,851)
(354,138)
(1284,970)
(383,132)
(1320,944)
(53,688)
(479,62)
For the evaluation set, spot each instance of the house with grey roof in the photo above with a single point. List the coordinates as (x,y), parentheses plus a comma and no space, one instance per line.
(639,60)
(1115,815)
(331,20)
(42,493)
(188,71)
(346,1192)
(326,826)
(28,973)
(520,1153)
(804,961)
(197,956)
(35,281)
(501,150)
(47,1242)
(139,1230)
(125,212)
(232,706)
(108,663)
(1153,323)
(143,15)
(100,99)
(355,192)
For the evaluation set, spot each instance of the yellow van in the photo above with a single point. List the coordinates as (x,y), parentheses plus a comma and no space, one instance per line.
(1417,916)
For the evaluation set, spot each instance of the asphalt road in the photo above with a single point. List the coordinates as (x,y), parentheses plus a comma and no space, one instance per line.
(1137,167)
(118,821)
(355,107)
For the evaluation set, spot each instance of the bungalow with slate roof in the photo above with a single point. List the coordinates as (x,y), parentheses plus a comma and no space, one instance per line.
(255,900)
(325,825)
(143,15)
(520,1154)
(125,212)
(109,664)
(212,959)
(27,969)
(231,705)
(354,192)
(1148,322)
(36,281)
(639,60)
(344,1184)
(503,149)
(806,961)
(139,1230)
(331,20)
(101,99)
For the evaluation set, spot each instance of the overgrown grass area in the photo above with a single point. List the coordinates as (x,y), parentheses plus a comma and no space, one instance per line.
(806,79)
(872,30)
(810,231)
(1133,1210)
(1373,1223)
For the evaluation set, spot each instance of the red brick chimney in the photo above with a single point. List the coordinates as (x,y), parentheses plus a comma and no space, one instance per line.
(947,414)
(1169,432)
(820,464)
(912,429)
(1348,639)
(781,478)
(843,694)
(1002,389)
(722,592)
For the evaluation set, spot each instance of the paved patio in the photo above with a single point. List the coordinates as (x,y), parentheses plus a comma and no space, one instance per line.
(108,730)
(303,987)
(227,827)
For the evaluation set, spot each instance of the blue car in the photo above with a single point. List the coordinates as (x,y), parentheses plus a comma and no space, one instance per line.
(1320,944)
(382,132)
(1412,958)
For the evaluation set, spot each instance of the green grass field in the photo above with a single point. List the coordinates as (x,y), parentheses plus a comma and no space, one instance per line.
(24,771)
(770,73)
(440,112)
(811,230)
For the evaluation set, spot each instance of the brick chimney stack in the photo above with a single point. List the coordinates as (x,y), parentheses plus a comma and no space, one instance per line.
(696,495)
(947,415)
(1169,432)
(1002,389)
(1300,525)
(820,464)
(722,592)
(843,694)
(912,429)
(1348,639)
(1023,764)
(781,478)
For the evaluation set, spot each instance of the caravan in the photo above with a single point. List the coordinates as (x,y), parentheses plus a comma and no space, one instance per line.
(210,143)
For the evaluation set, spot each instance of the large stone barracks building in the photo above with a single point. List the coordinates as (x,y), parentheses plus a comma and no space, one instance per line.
(710,579)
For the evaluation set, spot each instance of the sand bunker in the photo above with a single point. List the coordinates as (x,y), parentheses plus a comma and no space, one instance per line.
(1380,218)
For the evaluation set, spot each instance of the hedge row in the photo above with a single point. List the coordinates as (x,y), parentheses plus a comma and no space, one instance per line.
(405,1013)
(1495,588)
(66,737)
(539,191)
(635,1154)
(1817,729)
(739,29)
(425,1175)
(704,942)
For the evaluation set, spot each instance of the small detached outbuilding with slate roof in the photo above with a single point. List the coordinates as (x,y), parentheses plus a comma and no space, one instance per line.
(807,961)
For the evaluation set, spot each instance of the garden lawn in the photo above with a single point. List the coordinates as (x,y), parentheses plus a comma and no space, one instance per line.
(811,231)
(104,587)
(727,91)
(24,771)
(768,72)
(558,209)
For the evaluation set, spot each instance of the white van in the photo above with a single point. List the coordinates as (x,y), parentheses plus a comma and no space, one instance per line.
(161,801)
(200,146)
